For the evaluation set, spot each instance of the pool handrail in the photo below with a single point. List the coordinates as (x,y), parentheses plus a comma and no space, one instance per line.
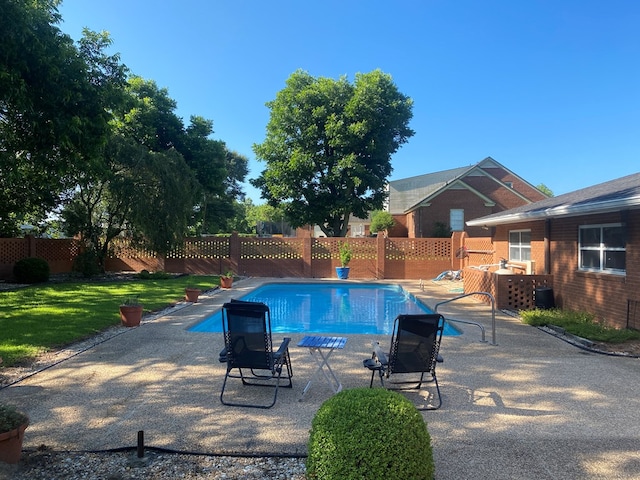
(493,314)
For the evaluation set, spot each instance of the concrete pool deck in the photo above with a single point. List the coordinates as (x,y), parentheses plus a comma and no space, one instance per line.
(531,406)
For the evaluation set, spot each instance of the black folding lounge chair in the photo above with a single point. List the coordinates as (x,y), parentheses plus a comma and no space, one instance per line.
(415,344)
(248,345)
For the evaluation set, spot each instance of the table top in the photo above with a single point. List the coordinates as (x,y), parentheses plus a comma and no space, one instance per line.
(322,342)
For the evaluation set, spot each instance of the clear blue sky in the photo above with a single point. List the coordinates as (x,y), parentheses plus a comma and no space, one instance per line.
(549,88)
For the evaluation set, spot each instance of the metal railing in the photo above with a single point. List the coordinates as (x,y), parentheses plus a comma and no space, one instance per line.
(493,315)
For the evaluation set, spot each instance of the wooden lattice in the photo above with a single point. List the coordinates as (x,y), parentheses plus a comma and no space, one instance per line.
(478,251)
(270,249)
(124,249)
(57,250)
(329,248)
(417,248)
(206,248)
(12,250)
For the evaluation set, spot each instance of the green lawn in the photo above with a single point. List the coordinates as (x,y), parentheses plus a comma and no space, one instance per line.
(38,318)
(581,324)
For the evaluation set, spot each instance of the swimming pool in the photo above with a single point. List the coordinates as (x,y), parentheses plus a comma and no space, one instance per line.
(330,308)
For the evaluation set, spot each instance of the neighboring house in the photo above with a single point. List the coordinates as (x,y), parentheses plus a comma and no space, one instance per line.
(589,240)
(424,204)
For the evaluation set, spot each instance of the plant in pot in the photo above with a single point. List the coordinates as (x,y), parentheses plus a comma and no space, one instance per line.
(13,423)
(131,312)
(345,257)
(191,294)
(226,280)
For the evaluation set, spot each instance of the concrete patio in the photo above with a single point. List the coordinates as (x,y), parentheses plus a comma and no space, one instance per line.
(531,406)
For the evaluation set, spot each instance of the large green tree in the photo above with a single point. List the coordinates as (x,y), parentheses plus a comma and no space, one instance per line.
(328,147)
(52,118)
(156,180)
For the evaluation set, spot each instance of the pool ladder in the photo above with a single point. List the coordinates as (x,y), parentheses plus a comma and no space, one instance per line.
(493,315)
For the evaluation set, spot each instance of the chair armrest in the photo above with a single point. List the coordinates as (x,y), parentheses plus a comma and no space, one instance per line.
(284,346)
(222,357)
(379,354)
(439,359)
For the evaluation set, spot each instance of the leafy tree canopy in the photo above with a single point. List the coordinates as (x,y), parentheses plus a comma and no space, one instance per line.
(544,189)
(52,118)
(328,147)
(381,221)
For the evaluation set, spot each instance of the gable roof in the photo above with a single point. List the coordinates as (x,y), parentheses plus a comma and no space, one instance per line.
(409,193)
(613,196)
(405,193)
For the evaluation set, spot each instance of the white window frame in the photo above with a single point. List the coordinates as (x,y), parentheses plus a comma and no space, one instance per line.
(520,251)
(456,219)
(602,249)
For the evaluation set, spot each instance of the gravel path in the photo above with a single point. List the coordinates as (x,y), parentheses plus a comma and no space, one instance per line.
(153,466)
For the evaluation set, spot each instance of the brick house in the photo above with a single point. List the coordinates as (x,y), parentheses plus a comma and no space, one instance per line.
(589,240)
(448,198)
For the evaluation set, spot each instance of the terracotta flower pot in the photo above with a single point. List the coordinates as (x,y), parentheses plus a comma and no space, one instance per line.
(192,294)
(226,282)
(11,444)
(130,315)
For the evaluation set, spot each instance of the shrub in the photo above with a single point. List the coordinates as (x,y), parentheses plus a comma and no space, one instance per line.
(381,221)
(147,275)
(369,433)
(11,418)
(87,264)
(31,270)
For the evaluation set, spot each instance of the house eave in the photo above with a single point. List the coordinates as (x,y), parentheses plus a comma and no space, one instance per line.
(558,211)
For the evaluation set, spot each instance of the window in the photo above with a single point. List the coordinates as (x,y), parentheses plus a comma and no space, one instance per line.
(602,248)
(520,245)
(456,219)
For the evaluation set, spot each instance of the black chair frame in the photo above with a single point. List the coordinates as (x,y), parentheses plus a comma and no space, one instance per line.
(248,346)
(415,348)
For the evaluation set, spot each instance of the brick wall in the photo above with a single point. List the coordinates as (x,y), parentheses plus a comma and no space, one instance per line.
(608,296)
(613,299)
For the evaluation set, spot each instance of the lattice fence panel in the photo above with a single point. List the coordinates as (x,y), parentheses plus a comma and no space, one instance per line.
(13,249)
(418,249)
(57,250)
(478,251)
(329,248)
(271,249)
(205,248)
(324,249)
(517,292)
(124,249)
(478,281)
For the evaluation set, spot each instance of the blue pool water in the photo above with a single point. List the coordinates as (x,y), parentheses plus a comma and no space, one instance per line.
(330,308)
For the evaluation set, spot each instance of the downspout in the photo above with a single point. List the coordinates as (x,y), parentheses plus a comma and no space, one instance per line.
(547,246)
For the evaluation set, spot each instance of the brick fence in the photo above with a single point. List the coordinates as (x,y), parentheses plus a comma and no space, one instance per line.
(380,258)
(372,257)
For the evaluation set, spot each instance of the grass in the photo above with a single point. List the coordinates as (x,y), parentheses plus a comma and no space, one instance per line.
(42,317)
(578,323)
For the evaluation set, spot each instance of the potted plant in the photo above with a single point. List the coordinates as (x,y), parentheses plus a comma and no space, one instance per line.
(12,426)
(131,312)
(226,280)
(192,293)
(345,257)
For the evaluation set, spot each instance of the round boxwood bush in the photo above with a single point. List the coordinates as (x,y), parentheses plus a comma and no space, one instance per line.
(31,270)
(368,433)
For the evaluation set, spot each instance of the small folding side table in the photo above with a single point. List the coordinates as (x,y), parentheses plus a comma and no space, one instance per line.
(321,349)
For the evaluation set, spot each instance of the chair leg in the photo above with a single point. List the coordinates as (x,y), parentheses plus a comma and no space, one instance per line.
(435,407)
(250,405)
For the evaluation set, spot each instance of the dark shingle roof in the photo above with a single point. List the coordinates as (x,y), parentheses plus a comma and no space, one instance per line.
(405,193)
(615,195)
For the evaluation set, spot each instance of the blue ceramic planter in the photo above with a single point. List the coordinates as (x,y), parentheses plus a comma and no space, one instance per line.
(342,272)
